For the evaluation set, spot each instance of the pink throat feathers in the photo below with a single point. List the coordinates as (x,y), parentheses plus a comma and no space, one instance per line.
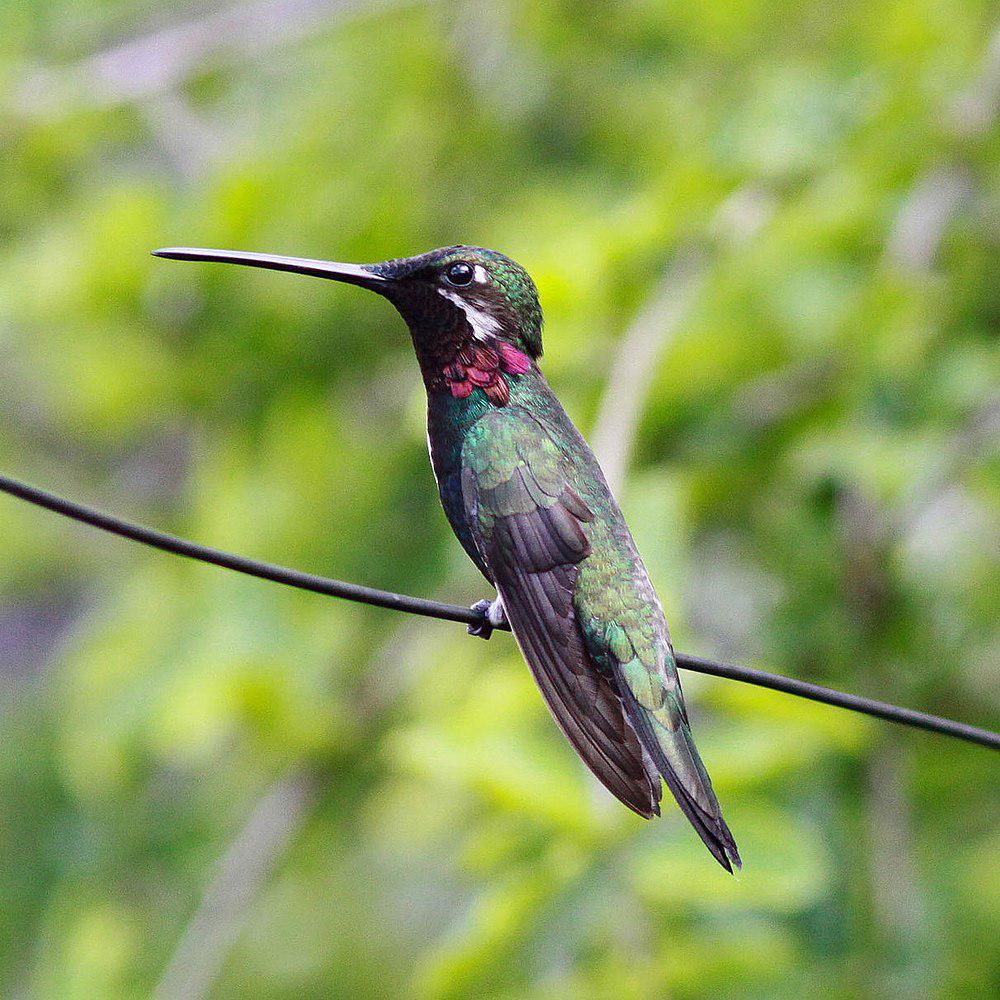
(483,366)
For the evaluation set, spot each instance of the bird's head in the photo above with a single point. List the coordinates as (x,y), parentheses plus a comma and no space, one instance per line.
(484,289)
(455,300)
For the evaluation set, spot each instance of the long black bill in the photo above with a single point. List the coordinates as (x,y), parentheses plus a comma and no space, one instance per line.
(353,274)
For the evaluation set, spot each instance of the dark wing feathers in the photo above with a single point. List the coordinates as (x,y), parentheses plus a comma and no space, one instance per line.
(537,591)
(530,528)
(609,679)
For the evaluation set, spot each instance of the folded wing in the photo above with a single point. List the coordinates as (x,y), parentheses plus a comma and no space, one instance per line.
(531,528)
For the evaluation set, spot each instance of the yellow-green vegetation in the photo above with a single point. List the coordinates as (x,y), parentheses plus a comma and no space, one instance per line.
(811,487)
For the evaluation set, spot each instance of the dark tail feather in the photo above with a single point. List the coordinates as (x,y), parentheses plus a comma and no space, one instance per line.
(709,823)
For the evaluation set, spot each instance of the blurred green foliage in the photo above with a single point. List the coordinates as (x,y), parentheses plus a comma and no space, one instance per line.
(812,487)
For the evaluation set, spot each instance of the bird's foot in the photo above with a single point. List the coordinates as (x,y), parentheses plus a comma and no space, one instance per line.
(493,617)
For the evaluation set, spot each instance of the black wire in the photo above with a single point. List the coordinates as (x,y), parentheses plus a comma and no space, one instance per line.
(455,613)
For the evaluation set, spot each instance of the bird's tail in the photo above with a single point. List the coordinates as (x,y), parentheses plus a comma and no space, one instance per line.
(666,737)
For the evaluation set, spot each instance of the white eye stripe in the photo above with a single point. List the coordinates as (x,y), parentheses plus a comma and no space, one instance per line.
(480,272)
(482,323)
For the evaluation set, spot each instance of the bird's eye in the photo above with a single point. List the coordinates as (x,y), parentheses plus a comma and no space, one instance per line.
(459,273)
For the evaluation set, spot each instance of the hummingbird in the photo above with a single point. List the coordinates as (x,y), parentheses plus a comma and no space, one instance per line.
(529,503)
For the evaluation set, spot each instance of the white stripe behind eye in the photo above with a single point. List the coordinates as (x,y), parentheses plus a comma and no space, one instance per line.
(482,323)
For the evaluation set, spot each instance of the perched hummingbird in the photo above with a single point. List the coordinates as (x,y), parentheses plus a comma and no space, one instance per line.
(528,501)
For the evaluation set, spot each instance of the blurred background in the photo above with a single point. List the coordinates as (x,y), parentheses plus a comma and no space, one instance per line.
(766,239)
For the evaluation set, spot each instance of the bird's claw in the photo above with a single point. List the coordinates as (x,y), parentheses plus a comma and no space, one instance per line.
(493,616)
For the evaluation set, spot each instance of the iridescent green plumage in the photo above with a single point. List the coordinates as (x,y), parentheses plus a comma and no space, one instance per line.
(551,537)
(529,503)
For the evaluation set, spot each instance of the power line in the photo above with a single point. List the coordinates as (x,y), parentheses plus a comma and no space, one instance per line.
(455,613)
